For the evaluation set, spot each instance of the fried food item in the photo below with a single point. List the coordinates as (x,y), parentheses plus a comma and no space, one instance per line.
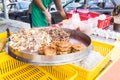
(49,51)
(41,50)
(62,52)
(64,44)
(54,44)
(77,47)
(59,48)
(56,47)
(64,49)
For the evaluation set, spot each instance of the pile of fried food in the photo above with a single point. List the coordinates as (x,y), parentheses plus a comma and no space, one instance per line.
(60,47)
(44,41)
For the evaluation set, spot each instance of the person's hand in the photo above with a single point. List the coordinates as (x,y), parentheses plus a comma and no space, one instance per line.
(85,6)
(28,12)
(48,16)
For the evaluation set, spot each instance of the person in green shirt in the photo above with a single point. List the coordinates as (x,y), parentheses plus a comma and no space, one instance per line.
(40,15)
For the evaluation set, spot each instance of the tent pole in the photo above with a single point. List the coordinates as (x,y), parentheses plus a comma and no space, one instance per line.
(5,10)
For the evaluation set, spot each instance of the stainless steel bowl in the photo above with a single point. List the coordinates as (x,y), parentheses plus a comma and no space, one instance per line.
(43,60)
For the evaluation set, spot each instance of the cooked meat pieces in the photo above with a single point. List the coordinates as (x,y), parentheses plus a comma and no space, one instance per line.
(58,34)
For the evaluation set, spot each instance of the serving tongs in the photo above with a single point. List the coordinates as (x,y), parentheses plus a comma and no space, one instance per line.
(8,39)
(8,34)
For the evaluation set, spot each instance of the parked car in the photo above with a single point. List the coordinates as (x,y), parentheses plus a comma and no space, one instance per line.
(18,10)
(92,5)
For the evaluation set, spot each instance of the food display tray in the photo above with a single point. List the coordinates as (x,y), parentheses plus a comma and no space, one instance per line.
(44,60)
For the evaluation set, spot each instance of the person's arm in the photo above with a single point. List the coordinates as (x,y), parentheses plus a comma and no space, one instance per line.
(30,6)
(85,4)
(60,9)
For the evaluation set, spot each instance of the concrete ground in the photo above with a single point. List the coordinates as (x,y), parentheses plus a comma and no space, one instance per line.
(13,25)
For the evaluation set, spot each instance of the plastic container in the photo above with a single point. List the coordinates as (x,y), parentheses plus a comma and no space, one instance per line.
(104,23)
(102,48)
(69,14)
(83,11)
(100,24)
(89,15)
(12,69)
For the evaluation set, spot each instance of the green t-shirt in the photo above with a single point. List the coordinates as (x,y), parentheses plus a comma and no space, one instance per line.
(38,16)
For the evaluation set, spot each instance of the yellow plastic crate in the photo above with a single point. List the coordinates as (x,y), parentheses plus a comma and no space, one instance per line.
(3,40)
(12,69)
(55,70)
(105,50)
(3,35)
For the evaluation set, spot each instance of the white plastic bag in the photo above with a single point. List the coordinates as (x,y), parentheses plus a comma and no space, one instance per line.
(73,22)
(91,61)
(85,27)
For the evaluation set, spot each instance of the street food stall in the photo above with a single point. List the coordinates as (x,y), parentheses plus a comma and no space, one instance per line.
(70,50)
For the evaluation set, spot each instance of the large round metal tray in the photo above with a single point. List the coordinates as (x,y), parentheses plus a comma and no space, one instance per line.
(44,60)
